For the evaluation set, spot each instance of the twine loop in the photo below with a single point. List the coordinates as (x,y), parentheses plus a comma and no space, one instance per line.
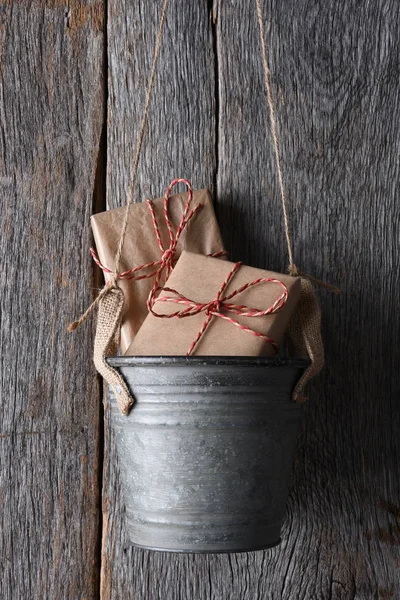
(111,304)
(219,306)
(168,256)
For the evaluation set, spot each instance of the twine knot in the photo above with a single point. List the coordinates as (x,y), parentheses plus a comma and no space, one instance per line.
(213,307)
(167,259)
(110,285)
(168,254)
(294,271)
(219,306)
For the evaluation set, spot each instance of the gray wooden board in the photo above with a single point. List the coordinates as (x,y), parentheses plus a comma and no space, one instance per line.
(335,79)
(180,142)
(51,99)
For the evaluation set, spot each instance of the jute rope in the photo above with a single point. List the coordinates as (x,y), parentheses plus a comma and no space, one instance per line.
(293,269)
(267,79)
(110,301)
(304,331)
(142,130)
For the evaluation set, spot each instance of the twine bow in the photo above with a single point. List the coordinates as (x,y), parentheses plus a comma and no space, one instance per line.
(158,267)
(219,306)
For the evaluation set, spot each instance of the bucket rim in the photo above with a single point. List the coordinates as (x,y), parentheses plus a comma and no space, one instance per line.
(234,550)
(182,361)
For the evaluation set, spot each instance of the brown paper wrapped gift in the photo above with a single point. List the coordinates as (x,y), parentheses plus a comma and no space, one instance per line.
(198,279)
(141,247)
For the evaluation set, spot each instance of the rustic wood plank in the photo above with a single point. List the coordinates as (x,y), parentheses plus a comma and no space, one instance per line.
(51,97)
(335,78)
(180,142)
(337,93)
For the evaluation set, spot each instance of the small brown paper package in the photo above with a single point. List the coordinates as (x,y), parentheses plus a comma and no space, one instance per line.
(200,235)
(198,278)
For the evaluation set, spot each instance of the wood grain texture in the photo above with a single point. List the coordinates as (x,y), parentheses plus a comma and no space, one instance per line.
(180,142)
(335,79)
(337,93)
(51,98)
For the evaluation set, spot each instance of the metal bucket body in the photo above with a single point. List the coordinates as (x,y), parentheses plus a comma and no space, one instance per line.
(206,452)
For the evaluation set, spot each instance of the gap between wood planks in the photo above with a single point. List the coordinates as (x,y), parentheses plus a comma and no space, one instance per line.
(99,204)
(213,16)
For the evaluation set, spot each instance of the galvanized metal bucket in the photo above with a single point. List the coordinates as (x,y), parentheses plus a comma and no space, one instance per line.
(206,452)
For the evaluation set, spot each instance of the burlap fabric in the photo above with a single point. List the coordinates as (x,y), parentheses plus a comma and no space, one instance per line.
(106,343)
(304,336)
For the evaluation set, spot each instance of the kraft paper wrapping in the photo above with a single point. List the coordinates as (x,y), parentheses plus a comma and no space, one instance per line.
(201,235)
(199,278)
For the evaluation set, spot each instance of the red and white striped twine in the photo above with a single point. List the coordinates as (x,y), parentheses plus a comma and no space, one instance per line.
(219,306)
(168,255)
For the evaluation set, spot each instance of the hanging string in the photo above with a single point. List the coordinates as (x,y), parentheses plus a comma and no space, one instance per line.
(293,269)
(135,164)
(267,77)
(142,129)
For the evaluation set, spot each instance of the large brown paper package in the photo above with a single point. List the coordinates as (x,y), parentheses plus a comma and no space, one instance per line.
(199,278)
(201,235)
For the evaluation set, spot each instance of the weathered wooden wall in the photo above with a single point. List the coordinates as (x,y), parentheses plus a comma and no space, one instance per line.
(335,78)
(51,114)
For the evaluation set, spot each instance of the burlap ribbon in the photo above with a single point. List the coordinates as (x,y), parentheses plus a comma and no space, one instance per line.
(106,343)
(304,336)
